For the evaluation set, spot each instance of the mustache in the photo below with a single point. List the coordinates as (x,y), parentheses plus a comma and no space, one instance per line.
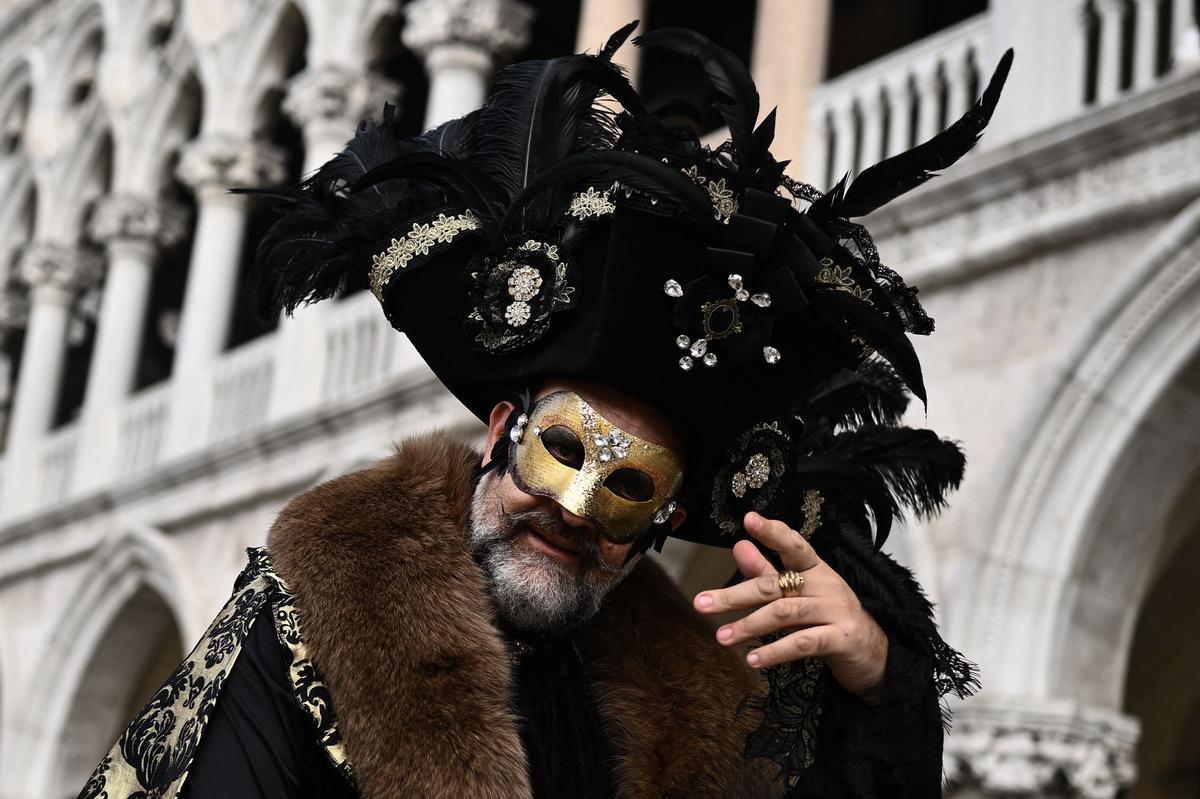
(550,522)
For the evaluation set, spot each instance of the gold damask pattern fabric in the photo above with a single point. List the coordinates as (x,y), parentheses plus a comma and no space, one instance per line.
(152,757)
(308,688)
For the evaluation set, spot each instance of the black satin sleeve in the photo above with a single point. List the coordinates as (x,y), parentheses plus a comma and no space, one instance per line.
(258,744)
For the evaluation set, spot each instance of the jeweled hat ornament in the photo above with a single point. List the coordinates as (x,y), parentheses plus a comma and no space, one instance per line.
(562,231)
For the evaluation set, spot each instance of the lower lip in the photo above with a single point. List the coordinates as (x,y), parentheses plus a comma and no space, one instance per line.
(558,553)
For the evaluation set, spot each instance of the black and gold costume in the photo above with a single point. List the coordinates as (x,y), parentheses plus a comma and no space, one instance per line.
(565,231)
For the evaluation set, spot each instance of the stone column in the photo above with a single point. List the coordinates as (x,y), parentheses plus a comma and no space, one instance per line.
(788,63)
(1145,52)
(1108,82)
(133,228)
(461,41)
(1185,39)
(1028,748)
(599,19)
(14,315)
(210,165)
(56,274)
(327,103)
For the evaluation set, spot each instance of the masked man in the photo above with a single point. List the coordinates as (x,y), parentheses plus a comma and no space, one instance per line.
(664,340)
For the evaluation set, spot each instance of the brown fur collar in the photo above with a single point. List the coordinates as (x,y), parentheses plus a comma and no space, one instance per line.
(398,620)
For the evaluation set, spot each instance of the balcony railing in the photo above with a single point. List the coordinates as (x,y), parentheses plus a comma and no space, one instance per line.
(143,426)
(892,103)
(363,354)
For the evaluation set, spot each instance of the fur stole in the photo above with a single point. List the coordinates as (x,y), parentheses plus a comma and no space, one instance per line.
(396,615)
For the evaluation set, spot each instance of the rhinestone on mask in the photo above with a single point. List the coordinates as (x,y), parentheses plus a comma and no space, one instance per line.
(518,429)
(664,513)
(672,288)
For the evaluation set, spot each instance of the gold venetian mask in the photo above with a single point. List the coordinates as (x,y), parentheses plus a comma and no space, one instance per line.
(570,453)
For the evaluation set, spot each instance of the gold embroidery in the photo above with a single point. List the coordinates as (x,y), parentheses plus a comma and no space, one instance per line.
(417,242)
(590,203)
(812,512)
(842,279)
(720,195)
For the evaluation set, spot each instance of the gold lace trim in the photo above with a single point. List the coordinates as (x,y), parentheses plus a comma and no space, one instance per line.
(418,241)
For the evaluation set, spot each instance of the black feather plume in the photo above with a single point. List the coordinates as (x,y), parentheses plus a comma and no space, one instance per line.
(885,181)
(739,102)
(872,394)
(919,468)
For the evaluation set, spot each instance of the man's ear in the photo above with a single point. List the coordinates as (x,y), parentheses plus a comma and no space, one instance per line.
(496,423)
(677,518)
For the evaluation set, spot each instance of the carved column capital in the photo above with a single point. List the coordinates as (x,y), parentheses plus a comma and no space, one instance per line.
(222,161)
(130,217)
(69,271)
(334,96)
(498,27)
(1031,750)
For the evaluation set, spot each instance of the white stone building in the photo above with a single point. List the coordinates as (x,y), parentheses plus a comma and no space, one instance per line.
(152,428)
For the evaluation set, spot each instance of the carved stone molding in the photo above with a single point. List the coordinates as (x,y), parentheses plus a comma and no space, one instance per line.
(132,217)
(69,269)
(336,96)
(499,27)
(222,161)
(1045,749)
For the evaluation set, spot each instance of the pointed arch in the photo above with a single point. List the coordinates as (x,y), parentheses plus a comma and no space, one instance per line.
(131,576)
(1068,491)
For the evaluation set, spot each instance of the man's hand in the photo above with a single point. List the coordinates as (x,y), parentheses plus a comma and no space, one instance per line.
(826,620)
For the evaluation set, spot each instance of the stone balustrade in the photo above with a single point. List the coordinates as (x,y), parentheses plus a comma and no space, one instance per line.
(363,353)
(893,102)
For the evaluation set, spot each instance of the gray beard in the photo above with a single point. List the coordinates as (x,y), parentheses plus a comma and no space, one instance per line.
(531,590)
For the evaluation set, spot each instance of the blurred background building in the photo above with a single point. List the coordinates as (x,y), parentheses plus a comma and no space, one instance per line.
(153,423)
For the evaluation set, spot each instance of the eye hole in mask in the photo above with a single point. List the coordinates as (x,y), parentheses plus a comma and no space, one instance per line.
(565,447)
(631,484)
(562,443)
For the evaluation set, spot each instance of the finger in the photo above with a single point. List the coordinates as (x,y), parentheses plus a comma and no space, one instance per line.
(764,589)
(795,552)
(748,594)
(750,560)
(782,614)
(809,642)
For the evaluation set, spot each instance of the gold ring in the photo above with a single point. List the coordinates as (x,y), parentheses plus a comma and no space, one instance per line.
(791,583)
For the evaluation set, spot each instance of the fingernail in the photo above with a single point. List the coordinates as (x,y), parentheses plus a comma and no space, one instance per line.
(704,601)
(753,658)
(725,633)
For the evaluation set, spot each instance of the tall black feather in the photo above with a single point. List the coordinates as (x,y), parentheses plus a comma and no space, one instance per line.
(739,103)
(885,181)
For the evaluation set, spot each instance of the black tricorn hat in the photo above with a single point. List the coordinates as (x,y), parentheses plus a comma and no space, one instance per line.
(562,231)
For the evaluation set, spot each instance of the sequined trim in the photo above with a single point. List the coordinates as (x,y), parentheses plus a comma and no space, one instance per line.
(590,203)
(418,242)
(842,279)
